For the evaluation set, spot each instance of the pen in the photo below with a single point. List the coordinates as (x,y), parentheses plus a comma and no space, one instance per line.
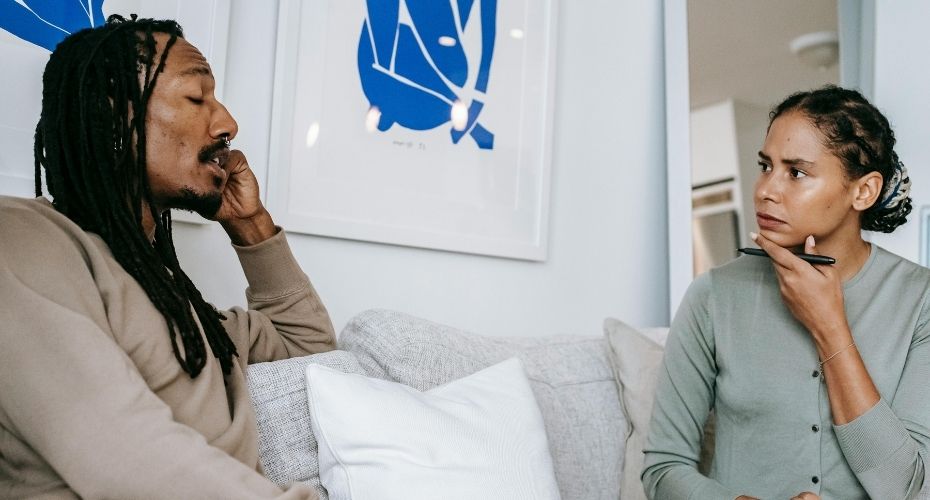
(813,259)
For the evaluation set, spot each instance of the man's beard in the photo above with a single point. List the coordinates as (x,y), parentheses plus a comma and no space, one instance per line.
(204,204)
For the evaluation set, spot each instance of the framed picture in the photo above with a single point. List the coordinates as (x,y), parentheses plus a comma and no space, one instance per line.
(29,30)
(424,123)
(925,235)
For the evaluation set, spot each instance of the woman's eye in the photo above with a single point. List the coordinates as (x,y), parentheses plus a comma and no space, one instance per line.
(195,100)
(797,174)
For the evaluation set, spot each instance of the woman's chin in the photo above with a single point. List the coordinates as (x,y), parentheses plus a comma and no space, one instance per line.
(781,239)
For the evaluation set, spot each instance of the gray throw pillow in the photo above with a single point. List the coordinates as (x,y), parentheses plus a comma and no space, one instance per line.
(286,445)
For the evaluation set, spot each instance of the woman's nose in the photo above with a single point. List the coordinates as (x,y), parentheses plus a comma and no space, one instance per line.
(766,188)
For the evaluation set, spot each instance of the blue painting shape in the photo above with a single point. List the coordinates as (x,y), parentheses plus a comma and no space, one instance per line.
(413,108)
(488,32)
(433,21)
(412,78)
(412,64)
(465,11)
(383,27)
(481,135)
(45,23)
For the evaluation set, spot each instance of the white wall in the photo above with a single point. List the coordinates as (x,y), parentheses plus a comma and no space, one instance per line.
(608,243)
(901,92)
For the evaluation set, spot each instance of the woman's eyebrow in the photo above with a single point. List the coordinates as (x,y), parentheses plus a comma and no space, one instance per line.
(798,161)
(789,161)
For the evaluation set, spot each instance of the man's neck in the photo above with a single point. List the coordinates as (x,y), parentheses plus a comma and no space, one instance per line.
(148,222)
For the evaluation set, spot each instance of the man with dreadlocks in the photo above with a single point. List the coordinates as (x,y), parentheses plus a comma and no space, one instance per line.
(117,379)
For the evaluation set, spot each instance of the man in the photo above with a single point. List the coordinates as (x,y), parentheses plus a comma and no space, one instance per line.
(117,379)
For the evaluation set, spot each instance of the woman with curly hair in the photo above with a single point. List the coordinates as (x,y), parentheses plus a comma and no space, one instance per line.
(817,373)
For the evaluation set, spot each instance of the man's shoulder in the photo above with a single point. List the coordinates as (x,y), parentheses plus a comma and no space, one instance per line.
(35,210)
(32,230)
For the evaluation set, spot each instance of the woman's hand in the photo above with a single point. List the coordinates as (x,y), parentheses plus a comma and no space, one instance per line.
(805,495)
(813,294)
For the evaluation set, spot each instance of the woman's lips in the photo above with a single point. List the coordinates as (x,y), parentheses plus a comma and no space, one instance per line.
(766,221)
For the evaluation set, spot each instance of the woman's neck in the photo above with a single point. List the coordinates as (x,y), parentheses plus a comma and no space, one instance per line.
(848,248)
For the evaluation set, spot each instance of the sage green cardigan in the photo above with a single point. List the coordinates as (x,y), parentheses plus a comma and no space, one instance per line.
(735,347)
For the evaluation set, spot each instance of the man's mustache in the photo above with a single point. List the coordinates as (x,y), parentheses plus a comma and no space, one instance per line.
(218,149)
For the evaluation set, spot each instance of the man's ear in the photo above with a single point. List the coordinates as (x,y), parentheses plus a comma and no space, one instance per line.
(866,190)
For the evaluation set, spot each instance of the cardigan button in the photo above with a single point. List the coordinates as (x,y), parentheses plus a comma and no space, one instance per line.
(815,428)
(815,374)
(815,479)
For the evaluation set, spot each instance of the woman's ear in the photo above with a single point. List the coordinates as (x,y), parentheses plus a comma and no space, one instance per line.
(866,190)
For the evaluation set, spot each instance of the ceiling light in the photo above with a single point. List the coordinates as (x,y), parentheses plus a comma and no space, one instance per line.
(817,50)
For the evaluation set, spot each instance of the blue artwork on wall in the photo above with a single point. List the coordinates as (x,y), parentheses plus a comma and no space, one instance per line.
(414,67)
(47,22)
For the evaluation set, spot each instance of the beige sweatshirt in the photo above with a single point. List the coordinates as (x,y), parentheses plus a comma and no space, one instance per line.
(93,403)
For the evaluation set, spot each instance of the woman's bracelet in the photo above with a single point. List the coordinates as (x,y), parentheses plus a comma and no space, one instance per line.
(834,354)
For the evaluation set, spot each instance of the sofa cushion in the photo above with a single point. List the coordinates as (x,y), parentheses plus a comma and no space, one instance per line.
(286,446)
(571,377)
(480,436)
(637,358)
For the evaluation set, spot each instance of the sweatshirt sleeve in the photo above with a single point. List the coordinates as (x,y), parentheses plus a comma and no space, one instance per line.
(76,398)
(684,397)
(887,445)
(286,317)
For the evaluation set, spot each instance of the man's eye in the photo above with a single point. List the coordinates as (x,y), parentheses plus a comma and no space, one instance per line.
(797,174)
(765,166)
(195,100)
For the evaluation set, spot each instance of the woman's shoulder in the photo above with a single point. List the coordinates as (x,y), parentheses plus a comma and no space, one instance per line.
(725,282)
(888,258)
(739,271)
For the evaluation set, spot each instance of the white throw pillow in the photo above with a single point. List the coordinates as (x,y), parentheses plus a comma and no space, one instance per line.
(481,436)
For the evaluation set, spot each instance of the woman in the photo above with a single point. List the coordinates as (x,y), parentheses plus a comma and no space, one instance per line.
(819,375)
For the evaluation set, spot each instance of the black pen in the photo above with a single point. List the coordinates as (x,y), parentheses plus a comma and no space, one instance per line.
(813,259)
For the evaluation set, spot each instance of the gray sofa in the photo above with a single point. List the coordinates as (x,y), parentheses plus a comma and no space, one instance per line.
(571,377)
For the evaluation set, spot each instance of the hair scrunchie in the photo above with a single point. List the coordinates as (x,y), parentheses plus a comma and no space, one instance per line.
(898,188)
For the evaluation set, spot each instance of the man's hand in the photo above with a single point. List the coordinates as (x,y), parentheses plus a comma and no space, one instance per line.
(242,213)
(813,294)
(805,495)
(240,194)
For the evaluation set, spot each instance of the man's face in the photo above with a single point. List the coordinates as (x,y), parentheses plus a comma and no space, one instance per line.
(184,129)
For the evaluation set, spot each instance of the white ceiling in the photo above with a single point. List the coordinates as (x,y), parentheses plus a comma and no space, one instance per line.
(739,49)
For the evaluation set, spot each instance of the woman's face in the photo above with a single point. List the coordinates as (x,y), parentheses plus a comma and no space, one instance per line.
(802,188)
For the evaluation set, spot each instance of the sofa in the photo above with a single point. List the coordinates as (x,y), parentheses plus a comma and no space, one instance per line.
(572,379)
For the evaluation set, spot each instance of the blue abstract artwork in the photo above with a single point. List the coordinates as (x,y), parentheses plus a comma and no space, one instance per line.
(418,71)
(45,23)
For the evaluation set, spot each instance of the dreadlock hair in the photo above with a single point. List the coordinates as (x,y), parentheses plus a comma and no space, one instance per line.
(859,135)
(91,141)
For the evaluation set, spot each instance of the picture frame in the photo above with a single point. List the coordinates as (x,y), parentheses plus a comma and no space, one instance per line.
(925,235)
(206,26)
(354,153)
